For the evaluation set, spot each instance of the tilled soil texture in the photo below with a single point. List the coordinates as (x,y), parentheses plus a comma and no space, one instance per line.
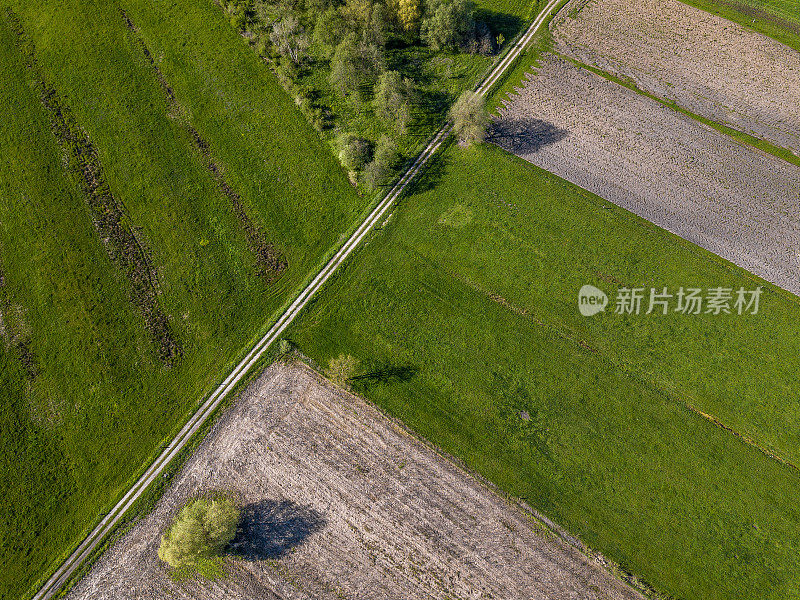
(340,502)
(725,196)
(704,63)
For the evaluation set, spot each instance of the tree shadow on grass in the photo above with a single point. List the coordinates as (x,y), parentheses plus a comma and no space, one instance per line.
(271,528)
(386,374)
(524,136)
(499,22)
(429,175)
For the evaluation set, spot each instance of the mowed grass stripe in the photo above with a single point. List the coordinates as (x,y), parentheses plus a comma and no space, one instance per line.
(610,448)
(103,403)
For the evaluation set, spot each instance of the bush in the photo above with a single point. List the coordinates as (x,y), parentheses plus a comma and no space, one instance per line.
(392,103)
(379,171)
(408,13)
(354,152)
(448,24)
(201,530)
(470,118)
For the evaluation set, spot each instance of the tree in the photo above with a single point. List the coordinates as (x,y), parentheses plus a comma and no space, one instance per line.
(329,31)
(375,31)
(289,38)
(393,99)
(354,63)
(448,23)
(354,152)
(470,118)
(408,13)
(342,369)
(378,172)
(202,529)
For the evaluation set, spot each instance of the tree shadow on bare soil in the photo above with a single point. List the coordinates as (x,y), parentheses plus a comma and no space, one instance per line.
(271,528)
(523,136)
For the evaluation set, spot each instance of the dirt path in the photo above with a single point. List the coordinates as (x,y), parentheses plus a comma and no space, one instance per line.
(342,503)
(727,197)
(706,64)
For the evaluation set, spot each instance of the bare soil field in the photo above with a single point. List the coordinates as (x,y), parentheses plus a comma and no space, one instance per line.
(725,196)
(340,502)
(704,63)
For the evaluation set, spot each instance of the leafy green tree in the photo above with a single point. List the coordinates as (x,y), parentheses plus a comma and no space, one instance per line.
(202,529)
(393,99)
(470,118)
(448,23)
(376,30)
(354,64)
(330,29)
(378,172)
(354,152)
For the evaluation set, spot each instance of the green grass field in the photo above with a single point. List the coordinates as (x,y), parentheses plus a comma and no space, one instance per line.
(463,314)
(86,400)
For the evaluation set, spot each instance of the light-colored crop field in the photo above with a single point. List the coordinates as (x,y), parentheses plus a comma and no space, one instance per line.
(704,63)
(730,198)
(340,502)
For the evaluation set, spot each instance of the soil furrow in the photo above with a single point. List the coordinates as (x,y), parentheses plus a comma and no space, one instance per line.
(108,215)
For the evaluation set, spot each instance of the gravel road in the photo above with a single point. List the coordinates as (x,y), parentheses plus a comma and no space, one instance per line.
(727,197)
(706,64)
(342,503)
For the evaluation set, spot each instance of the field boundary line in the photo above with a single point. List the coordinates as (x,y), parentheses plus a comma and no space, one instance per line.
(63,573)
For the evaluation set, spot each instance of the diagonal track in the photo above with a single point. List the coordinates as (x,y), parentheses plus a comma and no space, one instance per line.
(105,526)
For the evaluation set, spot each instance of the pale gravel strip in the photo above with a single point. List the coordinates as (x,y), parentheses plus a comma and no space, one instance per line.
(727,197)
(706,64)
(394,518)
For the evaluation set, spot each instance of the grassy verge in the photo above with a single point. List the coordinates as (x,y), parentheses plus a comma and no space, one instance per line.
(463,316)
(86,400)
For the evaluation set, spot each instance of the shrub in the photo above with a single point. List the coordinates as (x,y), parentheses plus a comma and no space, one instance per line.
(328,32)
(342,369)
(289,38)
(353,64)
(354,152)
(201,530)
(470,118)
(378,172)
(408,13)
